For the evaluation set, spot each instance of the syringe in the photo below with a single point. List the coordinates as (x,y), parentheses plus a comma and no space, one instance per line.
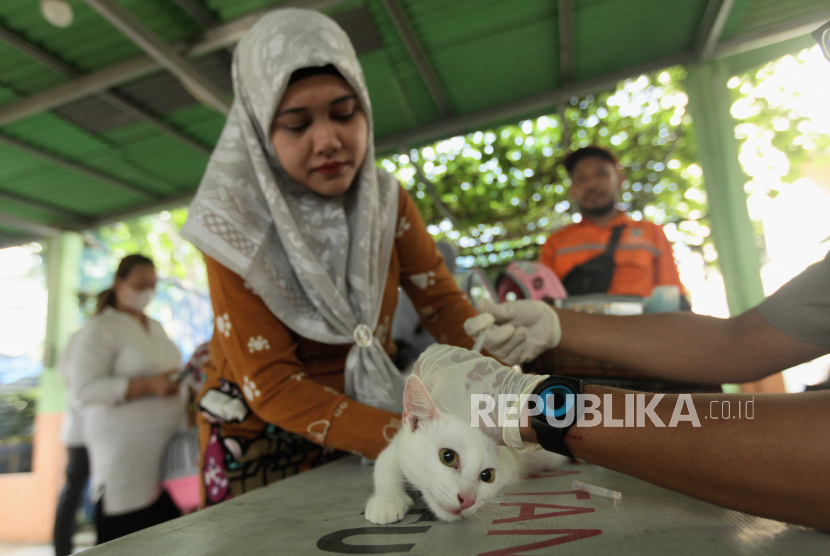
(599,491)
(480,340)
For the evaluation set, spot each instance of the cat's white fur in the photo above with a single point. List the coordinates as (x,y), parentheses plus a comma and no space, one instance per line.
(413,457)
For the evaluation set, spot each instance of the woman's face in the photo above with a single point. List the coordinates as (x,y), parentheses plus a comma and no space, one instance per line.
(320,134)
(136,289)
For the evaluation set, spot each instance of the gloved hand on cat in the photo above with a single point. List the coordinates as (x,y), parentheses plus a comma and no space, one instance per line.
(516,332)
(453,376)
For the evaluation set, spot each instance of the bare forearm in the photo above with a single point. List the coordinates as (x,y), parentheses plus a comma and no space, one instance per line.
(666,345)
(770,465)
(157,385)
(685,346)
(138,388)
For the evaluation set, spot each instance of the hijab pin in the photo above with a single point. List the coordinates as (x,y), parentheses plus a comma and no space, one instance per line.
(363,336)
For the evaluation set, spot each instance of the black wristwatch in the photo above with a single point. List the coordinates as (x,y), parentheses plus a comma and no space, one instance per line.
(557,396)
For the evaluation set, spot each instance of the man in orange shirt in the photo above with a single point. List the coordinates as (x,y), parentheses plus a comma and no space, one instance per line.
(607,252)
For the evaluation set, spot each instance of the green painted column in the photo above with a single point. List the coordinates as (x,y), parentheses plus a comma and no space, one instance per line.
(724,179)
(62,277)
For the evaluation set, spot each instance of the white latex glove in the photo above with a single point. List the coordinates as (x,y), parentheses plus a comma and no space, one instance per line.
(518,331)
(452,375)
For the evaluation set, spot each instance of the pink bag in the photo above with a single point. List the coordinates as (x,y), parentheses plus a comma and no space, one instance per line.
(529,280)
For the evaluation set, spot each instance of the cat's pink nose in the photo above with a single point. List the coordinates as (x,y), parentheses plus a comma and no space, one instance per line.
(466,501)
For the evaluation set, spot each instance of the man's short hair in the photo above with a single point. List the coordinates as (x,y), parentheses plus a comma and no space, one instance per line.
(573,158)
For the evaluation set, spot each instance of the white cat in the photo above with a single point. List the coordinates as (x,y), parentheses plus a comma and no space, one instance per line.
(456,467)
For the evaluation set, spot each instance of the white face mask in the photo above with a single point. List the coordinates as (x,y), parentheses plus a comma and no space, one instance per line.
(136,300)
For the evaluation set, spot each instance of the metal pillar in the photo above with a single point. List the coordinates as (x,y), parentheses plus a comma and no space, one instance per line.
(709,103)
(62,277)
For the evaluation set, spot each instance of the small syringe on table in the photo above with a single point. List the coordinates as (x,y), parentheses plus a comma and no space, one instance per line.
(599,491)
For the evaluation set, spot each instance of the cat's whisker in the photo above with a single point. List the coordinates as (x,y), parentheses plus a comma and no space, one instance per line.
(364,488)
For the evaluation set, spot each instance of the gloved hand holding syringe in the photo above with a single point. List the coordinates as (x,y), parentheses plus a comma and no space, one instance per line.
(514,332)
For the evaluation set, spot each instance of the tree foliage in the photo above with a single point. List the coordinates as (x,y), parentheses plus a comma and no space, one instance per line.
(507,187)
(155,236)
(783,119)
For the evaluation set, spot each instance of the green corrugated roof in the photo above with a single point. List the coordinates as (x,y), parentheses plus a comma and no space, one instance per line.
(485,54)
(754,16)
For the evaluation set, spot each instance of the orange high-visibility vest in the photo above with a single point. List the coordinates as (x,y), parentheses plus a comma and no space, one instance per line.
(643,259)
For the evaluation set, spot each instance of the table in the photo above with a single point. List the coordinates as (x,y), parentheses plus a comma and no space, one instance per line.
(319,512)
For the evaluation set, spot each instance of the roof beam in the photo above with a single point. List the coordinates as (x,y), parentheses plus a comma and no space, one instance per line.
(113,99)
(75,167)
(69,216)
(717,13)
(416,51)
(540,103)
(168,203)
(229,33)
(15,241)
(535,104)
(77,89)
(197,12)
(566,38)
(793,29)
(192,79)
(212,40)
(27,226)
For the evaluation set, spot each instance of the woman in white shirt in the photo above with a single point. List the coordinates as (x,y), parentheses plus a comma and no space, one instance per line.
(120,372)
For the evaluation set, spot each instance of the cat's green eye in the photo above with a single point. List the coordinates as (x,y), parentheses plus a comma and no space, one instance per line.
(488,475)
(448,457)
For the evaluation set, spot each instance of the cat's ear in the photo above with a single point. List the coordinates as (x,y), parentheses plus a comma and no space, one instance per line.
(417,405)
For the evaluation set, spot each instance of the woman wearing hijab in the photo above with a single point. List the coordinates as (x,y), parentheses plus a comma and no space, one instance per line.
(119,368)
(306,243)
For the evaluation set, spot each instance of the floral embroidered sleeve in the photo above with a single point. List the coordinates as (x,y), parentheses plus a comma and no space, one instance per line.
(441,305)
(261,357)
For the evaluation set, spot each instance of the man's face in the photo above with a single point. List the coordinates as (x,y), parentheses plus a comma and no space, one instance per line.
(595,185)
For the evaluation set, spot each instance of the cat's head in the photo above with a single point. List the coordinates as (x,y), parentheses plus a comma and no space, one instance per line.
(454,465)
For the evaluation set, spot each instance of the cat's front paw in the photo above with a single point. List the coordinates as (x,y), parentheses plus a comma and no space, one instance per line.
(382,509)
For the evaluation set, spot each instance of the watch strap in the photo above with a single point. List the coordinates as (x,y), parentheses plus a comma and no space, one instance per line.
(551,439)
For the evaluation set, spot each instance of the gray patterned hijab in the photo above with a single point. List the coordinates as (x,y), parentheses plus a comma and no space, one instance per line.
(319,263)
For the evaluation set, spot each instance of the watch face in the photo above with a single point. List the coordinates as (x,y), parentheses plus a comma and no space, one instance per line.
(558,401)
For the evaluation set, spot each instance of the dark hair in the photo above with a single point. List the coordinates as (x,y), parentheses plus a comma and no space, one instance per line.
(586,152)
(107,297)
(302,73)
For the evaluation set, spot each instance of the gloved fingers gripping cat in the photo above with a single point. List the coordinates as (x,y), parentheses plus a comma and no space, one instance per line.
(518,331)
(477,389)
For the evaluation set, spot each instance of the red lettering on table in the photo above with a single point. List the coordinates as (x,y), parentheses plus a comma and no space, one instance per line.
(566,535)
(527,511)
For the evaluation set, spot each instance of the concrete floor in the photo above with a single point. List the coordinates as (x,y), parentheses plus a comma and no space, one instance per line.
(83,541)
(26,550)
